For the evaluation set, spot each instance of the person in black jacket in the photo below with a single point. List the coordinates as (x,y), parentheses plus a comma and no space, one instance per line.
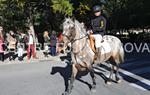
(98,24)
(53,43)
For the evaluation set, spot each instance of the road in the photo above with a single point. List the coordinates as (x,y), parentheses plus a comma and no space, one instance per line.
(50,78)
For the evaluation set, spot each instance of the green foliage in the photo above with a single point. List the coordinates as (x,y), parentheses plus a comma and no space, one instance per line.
(12,16)
(48,14)
(62,6)
(83,8)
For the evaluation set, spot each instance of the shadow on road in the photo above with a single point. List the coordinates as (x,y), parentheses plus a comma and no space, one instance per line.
(67,57)
(138,65)
(65,72)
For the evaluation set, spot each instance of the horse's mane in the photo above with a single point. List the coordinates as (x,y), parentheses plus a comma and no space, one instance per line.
(80,27)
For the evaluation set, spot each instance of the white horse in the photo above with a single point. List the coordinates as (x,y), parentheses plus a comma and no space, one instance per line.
(83,56)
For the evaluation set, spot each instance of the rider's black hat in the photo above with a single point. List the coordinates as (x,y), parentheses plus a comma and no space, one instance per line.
(96,8)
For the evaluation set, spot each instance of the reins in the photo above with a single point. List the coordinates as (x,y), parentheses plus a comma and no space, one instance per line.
(85,35)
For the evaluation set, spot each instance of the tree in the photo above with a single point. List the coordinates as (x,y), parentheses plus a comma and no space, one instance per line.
(83,9)
(11,14)
(116,12)
(62,6)
(49,14)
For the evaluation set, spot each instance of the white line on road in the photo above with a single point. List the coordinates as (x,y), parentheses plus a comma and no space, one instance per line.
(147,86)
(140,79)
(136,71)
(137,86)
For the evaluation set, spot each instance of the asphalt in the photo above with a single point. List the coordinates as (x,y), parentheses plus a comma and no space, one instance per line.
(50,76)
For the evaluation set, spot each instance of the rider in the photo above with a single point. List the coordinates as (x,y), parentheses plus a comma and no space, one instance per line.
(98,24)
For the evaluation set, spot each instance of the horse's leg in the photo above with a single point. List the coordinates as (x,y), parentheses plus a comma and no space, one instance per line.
(109,80)
(116,69)
(73,76)
(93,79)
(118,80)
(63,50)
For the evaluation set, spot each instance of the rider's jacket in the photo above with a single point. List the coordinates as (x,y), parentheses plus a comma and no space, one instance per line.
(98,25)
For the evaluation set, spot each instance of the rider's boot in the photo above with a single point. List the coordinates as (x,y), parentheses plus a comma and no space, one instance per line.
(97,53)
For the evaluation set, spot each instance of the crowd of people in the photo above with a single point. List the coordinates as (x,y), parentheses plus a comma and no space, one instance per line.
(15,43)
(19,41)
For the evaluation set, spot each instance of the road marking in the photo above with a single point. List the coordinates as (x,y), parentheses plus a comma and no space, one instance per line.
(136,71)
(140,79)
(148,82)
(144,87)
(141,83)
(137,86)
(134,76)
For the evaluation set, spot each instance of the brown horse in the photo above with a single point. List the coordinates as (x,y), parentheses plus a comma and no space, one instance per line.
(83,56)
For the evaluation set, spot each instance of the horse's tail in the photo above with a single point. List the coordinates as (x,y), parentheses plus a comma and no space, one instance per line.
(121,54)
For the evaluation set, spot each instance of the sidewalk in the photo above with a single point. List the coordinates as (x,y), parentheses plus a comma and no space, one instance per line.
(40,56)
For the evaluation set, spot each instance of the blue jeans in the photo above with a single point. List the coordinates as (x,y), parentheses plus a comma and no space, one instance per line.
(53,50)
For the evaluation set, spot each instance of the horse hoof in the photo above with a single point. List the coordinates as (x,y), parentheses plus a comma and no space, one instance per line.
(93,90)
(108,82)
(65,93)
(100,65)
(119,81)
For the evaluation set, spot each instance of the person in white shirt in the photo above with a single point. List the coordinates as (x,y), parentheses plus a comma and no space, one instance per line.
(20,45)
(31,46)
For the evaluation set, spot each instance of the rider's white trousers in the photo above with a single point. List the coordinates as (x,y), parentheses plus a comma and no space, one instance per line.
(98,39)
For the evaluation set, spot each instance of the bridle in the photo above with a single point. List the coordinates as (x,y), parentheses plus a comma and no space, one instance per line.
(74,40)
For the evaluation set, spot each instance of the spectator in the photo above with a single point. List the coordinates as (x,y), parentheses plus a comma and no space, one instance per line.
(46,43)
(37,45)
(20,45)
(11,39)
(60,43)
(53,43)
(1,44)
(31,46)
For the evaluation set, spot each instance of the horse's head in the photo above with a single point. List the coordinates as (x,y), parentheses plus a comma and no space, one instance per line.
(68,31)
(73,30)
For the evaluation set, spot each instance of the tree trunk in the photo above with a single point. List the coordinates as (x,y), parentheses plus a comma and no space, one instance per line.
(31,27)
